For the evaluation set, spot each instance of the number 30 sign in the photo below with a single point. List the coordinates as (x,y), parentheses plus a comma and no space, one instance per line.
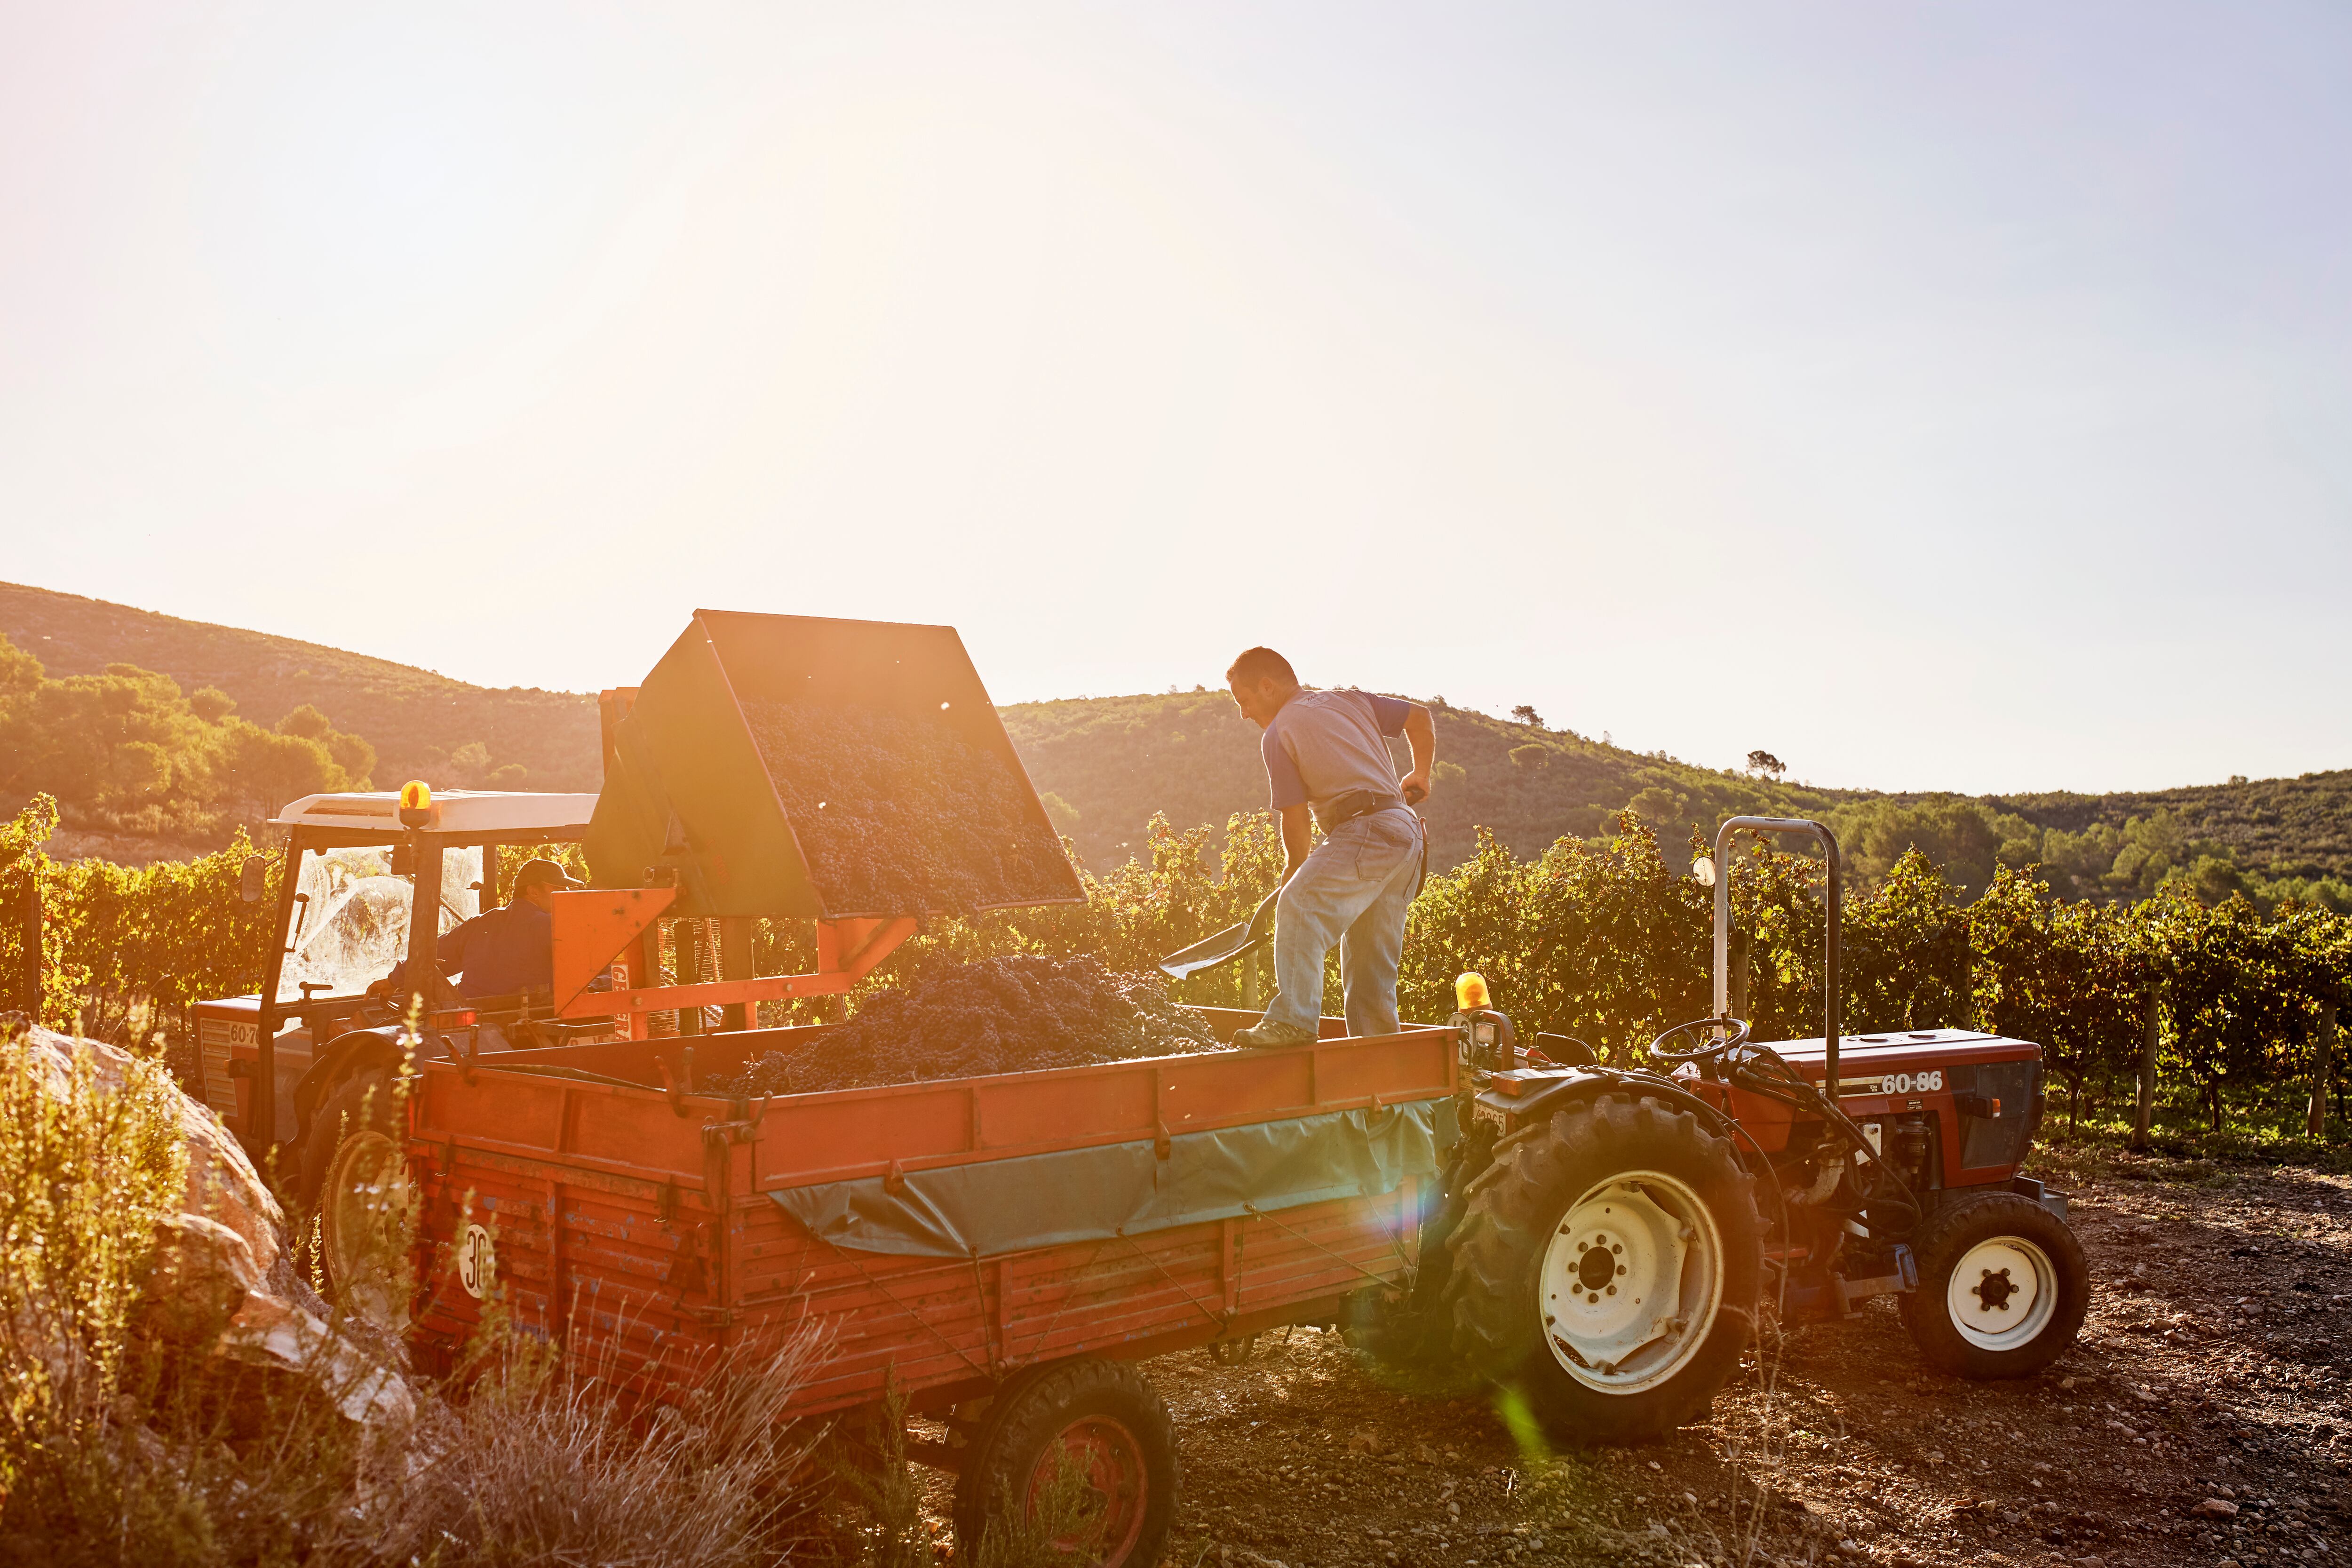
(475,1262)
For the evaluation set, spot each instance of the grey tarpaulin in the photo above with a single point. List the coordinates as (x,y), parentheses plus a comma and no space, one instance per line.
(995,1207)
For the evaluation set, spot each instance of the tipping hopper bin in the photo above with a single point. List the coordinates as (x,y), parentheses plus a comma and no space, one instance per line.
(691,800)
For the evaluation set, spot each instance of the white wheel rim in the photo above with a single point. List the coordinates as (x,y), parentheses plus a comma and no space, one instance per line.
(362,1208)
(1633,1322)
(2003,1293)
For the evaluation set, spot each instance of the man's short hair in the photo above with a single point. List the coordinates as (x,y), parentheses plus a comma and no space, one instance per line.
(1258,664)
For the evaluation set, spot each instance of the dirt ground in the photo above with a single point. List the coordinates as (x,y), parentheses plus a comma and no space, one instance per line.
(2213,1366)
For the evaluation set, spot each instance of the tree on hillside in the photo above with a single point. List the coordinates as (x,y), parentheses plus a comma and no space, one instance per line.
(1667,810)
(261,771)
(2136,860)
(126,751)
(351,753)
(1966,840)
(117,743)
(1527,715)
(1765,762)
(20,673)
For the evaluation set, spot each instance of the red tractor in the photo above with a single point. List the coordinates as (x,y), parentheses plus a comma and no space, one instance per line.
(1607,1236)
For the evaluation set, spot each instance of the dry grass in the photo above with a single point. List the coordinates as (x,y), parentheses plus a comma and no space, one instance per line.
(544,1462)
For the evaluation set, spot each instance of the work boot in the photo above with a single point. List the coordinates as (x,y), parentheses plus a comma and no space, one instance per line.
(1267,1034)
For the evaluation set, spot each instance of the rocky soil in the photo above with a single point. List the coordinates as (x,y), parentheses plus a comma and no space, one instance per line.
(2202,1420)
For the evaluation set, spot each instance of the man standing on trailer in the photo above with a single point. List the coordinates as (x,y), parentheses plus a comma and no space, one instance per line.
(1329,766)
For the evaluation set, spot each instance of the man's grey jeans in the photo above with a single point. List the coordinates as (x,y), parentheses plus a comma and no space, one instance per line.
(1352,890)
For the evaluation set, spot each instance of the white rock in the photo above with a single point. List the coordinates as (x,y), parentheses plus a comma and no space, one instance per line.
(219,1277)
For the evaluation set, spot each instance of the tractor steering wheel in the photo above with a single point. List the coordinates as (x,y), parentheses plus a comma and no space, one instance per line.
(1705,1046)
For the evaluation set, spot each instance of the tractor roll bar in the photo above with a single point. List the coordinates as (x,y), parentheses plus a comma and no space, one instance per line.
(1828,841)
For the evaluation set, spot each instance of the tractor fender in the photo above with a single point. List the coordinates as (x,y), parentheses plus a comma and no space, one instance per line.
(1538,1103)
(353,1051)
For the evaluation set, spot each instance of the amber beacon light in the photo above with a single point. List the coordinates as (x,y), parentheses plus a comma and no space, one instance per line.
(415,804)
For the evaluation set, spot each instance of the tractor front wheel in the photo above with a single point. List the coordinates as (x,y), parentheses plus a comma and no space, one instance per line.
(355,1178)
(1608,1269)
(2002,1288)
(1074,1463)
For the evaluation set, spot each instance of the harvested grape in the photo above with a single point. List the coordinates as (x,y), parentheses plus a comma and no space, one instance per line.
(898,815)
(998,1015)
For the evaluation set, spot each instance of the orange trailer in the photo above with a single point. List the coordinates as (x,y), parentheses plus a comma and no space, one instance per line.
(992,1249)
(626,1215)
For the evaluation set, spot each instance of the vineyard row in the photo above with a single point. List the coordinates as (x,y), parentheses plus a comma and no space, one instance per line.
(1600,940)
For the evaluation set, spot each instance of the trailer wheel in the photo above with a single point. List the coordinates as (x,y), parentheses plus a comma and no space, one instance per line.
(1115,1432)
(2002,1288)
(1607,1270)
(355,1178)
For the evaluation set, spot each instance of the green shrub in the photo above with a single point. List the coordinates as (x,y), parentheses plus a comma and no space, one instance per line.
(85,1176)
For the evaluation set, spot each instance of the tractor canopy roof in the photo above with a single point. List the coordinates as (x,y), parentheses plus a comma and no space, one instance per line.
(456,814)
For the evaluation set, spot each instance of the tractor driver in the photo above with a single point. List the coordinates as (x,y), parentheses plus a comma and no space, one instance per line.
(1329,766)
(504,951)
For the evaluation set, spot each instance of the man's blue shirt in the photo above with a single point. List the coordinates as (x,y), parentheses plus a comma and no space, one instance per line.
(498,954)
(1325,747)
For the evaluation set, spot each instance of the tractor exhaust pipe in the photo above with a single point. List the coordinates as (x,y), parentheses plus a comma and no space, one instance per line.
(1828,841)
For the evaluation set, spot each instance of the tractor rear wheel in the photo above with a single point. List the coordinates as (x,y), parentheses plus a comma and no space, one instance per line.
(1081,1455)
(355,1178)
(2002,1287)
(1608,1269)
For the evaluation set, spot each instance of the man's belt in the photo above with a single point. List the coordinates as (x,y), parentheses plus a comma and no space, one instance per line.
(1354,804)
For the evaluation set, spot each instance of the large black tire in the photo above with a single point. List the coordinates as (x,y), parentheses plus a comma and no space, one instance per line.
(1108,1419)
(2002,1287)
(354,1174)
(1408,1333)
(1618,1195)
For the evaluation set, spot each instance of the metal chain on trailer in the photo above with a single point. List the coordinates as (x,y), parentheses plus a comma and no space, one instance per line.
(1347,1262)
(1047,1333)
(927,1326)
(1216,1320)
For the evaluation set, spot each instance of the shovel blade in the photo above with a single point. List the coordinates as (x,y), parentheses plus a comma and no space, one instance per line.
(1226,945)
(1210,952)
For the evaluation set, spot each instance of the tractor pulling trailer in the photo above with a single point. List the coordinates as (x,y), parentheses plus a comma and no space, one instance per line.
(998,1251)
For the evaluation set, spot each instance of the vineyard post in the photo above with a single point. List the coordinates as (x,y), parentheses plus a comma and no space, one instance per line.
(2315,1122)
(32,912)
(2148,1068)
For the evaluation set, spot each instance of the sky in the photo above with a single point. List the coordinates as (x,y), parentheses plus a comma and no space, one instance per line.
(1936,397)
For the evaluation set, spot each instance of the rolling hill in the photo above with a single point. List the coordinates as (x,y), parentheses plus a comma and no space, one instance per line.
(1111,763)
(416,719)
